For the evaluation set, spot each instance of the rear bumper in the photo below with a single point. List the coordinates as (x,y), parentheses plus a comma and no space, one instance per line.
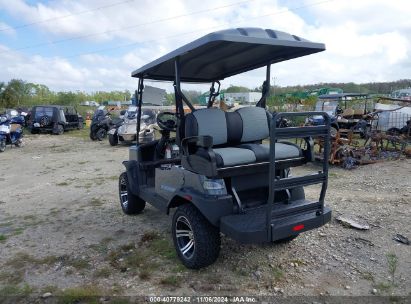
(251,227)
(294,225)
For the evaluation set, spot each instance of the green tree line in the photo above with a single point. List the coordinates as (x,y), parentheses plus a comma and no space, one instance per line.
(19,93)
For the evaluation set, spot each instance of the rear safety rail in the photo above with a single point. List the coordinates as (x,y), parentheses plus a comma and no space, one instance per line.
(307,133)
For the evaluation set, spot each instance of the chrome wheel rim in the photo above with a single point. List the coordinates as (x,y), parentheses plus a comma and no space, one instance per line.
(123,193)
(185,237)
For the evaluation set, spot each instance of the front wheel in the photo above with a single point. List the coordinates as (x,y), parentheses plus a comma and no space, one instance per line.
(197,242)
(101,134)
(130,203)
(2,145)
(113,139)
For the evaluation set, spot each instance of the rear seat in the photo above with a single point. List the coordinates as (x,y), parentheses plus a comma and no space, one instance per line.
(237,136)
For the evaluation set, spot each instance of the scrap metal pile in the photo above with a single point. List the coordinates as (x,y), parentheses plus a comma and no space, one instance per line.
(387,137)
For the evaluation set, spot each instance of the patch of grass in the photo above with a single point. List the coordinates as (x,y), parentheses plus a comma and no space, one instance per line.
(333,174)
(18,231)
(78,263)
(149,236)
(96,202)
(102,273)
(15,290)
(6,224)
(62,184)
(145,274)
(277,273)
(3,237)
(113,177)
(81,294)
(383,287)
(30,217)
(163,247)
(367,276)
(20,260)
(127,247)
(82,134)
(172,280)
(392,261)
(51,288)
(14,277)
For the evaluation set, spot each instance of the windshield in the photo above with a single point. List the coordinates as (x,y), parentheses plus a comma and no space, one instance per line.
(326,106)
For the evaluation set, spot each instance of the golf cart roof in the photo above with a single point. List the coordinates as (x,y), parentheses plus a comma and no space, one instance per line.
(342,95)
(225,53)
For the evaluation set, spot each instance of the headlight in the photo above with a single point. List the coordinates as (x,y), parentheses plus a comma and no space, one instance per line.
(214,186)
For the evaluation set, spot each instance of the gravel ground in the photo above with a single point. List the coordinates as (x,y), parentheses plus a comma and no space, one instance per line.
(62,231)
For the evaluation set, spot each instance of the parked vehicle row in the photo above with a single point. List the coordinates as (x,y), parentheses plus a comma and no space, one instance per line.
(11,129)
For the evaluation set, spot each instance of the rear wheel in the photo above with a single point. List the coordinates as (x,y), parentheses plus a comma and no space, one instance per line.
(113,139)
(197,242)
(59,130)
(2,145)
(18,143)
(130,203)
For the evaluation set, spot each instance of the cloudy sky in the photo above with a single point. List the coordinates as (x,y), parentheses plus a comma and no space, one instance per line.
(94,45)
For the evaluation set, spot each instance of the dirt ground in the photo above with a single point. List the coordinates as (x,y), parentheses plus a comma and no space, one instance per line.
(62,231)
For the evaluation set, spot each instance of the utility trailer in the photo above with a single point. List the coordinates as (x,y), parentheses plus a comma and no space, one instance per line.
(218,172)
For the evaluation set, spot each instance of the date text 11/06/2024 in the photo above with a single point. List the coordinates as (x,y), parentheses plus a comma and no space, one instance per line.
(202,299)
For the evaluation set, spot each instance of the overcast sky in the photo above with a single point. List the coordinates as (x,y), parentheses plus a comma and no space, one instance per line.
(94,45)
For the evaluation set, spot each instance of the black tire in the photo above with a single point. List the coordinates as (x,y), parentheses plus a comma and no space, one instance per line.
(195,229)
(101,134)
(113,139)
(2,145)
(59,130)
(93,136)
(130,203)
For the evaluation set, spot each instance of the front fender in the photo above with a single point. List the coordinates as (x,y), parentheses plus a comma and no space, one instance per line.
(132,169)
(210,206)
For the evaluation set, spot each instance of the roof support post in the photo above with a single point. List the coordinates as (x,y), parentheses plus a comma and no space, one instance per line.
(139,96)
(265,89)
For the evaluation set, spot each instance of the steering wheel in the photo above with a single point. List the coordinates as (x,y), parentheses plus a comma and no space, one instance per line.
(167,121)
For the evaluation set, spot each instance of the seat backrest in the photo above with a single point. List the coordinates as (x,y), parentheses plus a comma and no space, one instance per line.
(248,124)
(210,121)
(348,112)
(255,123)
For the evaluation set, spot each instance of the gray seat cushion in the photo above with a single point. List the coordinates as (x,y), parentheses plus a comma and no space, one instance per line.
(233,156)
(282,151)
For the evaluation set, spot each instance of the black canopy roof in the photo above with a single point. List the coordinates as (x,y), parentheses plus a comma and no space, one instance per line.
(228,52)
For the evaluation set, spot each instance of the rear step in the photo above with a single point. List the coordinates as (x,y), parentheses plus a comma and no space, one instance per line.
(251,226)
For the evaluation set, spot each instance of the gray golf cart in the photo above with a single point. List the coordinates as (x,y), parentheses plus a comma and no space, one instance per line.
(221,177)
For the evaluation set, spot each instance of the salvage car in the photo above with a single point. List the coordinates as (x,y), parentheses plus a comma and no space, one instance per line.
(54,119)
(223,177)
